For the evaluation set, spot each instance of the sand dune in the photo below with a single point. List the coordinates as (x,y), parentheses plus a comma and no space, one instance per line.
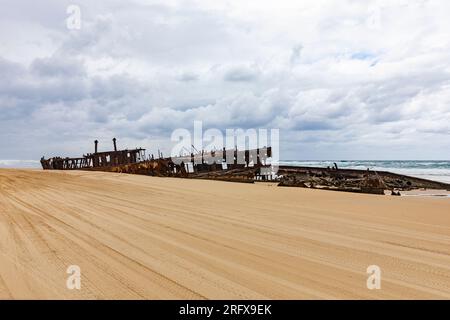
(164,238)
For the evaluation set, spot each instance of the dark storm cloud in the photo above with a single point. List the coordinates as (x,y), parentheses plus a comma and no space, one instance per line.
(241,74)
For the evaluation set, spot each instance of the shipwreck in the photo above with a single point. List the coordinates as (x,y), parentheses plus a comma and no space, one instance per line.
(245,166)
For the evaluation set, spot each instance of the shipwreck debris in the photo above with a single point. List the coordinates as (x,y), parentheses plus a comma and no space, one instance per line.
(353,180)
(245,166)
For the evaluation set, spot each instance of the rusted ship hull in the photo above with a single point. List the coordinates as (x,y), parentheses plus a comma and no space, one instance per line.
(353,180)
(246,166)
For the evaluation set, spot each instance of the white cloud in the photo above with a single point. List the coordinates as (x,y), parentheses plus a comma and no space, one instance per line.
(342,79)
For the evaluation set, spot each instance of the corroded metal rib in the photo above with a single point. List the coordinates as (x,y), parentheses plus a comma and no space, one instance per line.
(240,166)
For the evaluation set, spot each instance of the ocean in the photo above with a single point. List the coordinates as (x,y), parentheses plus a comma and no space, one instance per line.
(20,164)
(436,170)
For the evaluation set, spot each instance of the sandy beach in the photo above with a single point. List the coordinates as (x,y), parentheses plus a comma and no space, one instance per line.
(138,237)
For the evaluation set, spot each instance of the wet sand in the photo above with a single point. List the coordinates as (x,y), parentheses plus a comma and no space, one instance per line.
(165,238)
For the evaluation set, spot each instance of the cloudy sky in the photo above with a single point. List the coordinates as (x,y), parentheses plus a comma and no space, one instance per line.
(341,79)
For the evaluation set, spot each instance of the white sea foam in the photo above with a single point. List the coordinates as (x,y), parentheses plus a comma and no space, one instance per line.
(19,164)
